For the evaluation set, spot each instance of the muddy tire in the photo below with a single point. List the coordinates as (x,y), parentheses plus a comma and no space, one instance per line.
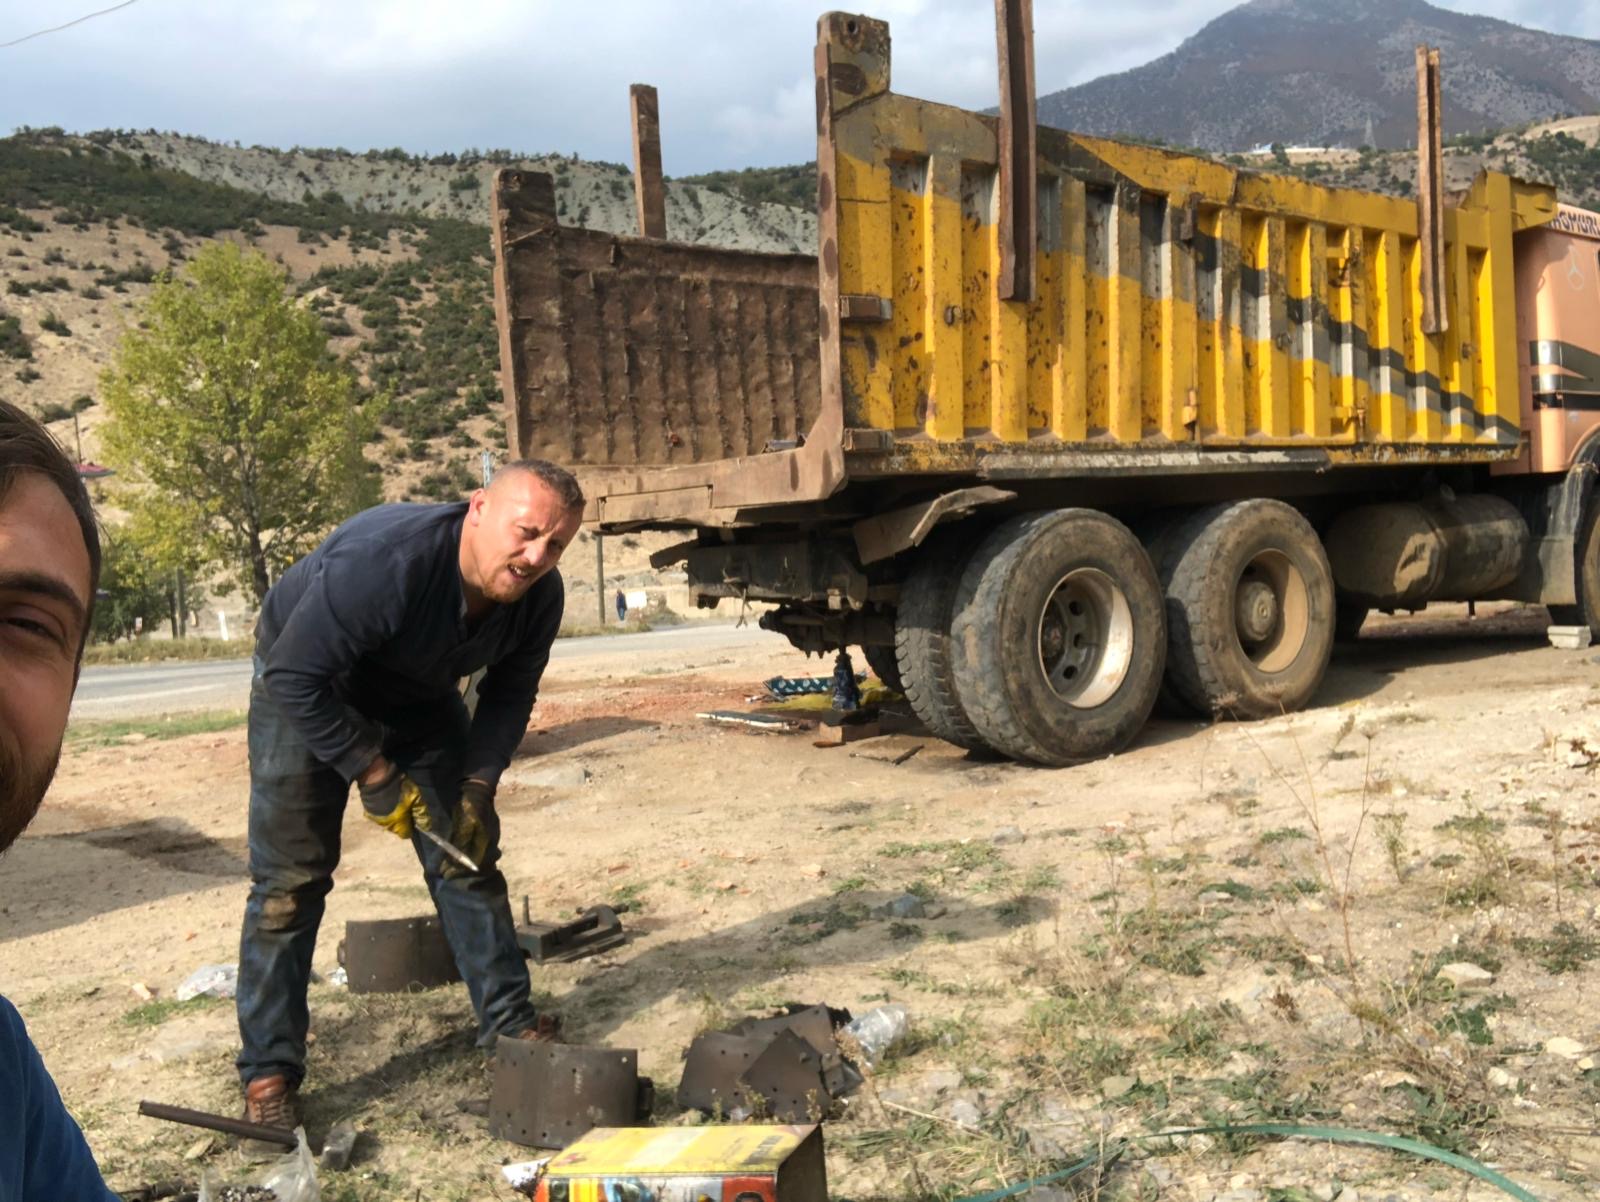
(885,664)
(1058,637)
(922,642)
(1587,610)
(1250,610)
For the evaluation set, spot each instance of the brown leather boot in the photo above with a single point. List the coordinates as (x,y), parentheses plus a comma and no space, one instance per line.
(546,1029)
(272,1102)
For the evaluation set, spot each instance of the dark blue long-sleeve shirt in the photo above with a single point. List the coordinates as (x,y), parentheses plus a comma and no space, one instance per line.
(43,1156)
(375,619)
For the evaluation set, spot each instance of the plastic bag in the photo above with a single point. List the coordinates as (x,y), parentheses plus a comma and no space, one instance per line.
(291,1178)
(213,980)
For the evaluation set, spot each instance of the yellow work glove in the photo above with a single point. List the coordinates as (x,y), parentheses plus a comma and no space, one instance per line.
(395,803)
(476,830)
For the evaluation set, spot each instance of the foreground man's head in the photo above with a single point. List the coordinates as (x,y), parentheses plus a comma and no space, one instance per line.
(49,568)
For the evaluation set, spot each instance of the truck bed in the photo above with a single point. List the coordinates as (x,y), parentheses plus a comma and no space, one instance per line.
(1189,316)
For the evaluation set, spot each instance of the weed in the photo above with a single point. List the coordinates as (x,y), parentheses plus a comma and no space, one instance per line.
(154,1013)
(851,884)
(835,917)
(1391,831)
(1565,950)
(1234,889)
(629,898)
(1472,1021)
(903,932)
(1282,834)
(172,726)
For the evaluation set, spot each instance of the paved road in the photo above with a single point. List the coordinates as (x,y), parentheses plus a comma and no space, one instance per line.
(142,690)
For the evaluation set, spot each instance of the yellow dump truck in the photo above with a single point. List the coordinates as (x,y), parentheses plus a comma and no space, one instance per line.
(1209,437)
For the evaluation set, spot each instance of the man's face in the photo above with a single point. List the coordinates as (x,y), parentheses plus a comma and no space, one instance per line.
(516,530)
(44,596)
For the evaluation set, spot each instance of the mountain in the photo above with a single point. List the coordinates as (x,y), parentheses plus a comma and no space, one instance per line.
(1326,72)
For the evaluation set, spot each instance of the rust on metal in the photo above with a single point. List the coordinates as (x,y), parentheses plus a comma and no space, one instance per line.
(545,1095)
(629,351)
(855,306)
(1019,150)
(648,191)
(1430,193)
(885,534)
(219,1122)
(394,955)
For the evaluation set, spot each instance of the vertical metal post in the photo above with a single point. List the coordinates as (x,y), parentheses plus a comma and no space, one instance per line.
(1430,193)
(1019,149)
(183,607)
(600,574)
(648,191)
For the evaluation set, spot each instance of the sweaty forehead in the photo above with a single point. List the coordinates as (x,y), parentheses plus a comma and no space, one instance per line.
(39,535)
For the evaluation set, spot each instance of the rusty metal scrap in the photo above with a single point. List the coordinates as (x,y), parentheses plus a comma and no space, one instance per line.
(649,192)
(788,1067)
(393,955)
(545,1095)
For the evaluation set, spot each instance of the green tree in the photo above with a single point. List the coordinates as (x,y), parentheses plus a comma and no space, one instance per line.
(130,589)
(245,433)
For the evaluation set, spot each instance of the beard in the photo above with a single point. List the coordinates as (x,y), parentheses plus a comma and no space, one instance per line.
(22,788)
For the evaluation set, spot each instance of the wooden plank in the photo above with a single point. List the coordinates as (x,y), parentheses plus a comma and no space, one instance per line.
(649,192)
(1018,150)
(1430,193)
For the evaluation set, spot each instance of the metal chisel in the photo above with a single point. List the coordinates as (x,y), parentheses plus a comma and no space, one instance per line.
(450,849)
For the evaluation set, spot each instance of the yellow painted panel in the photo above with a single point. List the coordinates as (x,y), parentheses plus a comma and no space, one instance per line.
(1068,376)
(1386,336)
(942,308)
(1179,333)
(1499,398)
(1008,355)
(905,331)
(977,270)
(1262,311)
(1124,320)
(1422,356)
(1311,405)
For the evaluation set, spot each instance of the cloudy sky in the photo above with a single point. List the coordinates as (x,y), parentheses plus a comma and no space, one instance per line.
(542,75)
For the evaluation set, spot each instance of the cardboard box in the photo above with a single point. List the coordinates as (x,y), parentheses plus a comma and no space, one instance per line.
(689,1164)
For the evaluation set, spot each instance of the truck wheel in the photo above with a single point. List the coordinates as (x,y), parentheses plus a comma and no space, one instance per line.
(1587,575)
(1058,637)
(922,642)
(885,665)
(1250,610)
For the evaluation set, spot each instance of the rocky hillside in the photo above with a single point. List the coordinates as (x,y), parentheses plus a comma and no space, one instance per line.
(391,249)
(1333,73)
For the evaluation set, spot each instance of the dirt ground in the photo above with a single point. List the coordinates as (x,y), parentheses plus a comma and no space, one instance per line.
(1227,923)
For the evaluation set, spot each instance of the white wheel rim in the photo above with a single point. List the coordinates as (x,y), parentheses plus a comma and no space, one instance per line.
(1085,638)
(1271,611)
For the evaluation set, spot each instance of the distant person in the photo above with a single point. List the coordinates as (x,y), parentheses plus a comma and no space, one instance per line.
(49,569)
(359,651)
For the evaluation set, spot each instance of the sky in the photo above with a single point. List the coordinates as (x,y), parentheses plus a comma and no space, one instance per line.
(734,76)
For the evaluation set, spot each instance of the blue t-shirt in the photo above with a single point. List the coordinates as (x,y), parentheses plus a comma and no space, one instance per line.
(43,1155)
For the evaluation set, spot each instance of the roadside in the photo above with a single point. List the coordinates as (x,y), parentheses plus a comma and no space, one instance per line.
(1232,922)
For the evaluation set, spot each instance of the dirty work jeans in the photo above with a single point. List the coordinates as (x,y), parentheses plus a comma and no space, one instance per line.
(296,809)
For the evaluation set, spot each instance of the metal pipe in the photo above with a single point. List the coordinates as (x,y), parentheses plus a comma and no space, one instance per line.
(216,1122)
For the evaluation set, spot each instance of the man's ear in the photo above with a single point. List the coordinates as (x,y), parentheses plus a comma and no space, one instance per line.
(475,504)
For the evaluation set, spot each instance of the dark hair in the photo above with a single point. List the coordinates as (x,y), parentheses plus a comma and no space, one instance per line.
(557,478)
(26,446)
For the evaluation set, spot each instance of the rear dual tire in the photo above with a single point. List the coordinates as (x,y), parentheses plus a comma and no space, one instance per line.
(1058,637)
